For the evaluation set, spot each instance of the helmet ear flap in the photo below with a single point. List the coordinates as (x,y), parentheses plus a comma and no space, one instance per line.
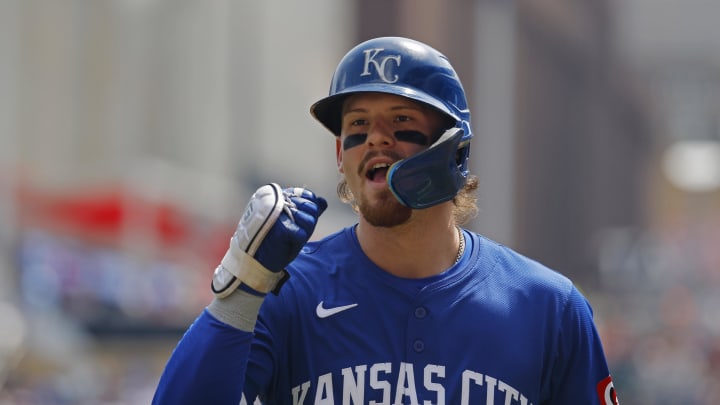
(462,155)
(432,176)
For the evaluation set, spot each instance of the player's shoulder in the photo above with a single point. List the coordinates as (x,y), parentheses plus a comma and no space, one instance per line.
(520,270)
(328,243)
(324,254)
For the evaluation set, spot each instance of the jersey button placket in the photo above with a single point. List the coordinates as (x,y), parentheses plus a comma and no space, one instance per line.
(418,344)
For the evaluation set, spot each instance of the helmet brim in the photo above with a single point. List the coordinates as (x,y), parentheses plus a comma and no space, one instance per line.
(329,109)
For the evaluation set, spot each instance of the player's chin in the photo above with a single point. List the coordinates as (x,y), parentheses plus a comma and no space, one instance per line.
(384,210)
(378,194)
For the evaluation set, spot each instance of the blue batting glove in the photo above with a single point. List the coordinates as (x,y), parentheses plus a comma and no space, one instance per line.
(275,226)
(292,230)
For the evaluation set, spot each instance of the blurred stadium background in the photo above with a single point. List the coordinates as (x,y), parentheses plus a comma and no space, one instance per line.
(132,133)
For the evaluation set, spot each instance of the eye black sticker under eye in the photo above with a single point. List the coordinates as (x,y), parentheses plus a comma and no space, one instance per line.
(415,137)
(354,140)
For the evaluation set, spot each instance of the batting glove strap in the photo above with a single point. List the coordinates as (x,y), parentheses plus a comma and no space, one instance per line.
(239,264)
(250,272)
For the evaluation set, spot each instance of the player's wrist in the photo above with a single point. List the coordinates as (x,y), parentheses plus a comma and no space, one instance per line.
(239,309)
(250,290)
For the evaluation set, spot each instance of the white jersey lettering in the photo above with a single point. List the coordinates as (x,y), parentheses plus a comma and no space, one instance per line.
(324,394)
(430,370)
(490,383)
(354,385)
(468,376)
(377,384)
(510,392)
(299,393)
(401,388)
(406,385)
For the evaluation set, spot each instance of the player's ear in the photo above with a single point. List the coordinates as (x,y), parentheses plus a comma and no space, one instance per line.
(338,153)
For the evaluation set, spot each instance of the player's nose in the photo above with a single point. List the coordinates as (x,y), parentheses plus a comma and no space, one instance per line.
(380,134)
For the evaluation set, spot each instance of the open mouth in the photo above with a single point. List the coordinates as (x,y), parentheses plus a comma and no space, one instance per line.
(378,172)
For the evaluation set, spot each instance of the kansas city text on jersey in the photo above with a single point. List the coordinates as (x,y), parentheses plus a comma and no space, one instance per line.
(400,384)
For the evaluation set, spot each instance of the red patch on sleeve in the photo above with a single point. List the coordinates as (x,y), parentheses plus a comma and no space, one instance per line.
(606,392)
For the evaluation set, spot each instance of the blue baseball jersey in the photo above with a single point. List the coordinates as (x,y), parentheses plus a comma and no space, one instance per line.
(496,328)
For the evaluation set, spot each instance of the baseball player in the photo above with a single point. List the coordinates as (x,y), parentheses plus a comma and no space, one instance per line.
(404,307)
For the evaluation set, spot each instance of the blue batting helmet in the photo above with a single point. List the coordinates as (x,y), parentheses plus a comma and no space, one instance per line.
(411,69)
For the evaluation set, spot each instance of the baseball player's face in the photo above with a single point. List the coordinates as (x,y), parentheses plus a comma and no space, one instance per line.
(377,130)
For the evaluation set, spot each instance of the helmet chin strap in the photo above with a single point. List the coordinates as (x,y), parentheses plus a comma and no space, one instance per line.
(432,176)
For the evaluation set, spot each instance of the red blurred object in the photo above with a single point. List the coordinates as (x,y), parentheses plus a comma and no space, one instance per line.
(113,215)
(109,211)
(104,213)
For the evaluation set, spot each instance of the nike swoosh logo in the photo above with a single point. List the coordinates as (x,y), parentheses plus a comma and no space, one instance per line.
(323,312)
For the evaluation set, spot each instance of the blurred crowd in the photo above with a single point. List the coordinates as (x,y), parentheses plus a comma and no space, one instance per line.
(659,313)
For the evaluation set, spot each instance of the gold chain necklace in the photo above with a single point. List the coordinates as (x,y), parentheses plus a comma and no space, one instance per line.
(461,249)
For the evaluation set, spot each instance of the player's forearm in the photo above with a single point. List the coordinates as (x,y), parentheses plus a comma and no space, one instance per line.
(239,309)
(207,366)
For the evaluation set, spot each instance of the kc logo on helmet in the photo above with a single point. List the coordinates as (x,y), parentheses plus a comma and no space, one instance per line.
(382,67)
